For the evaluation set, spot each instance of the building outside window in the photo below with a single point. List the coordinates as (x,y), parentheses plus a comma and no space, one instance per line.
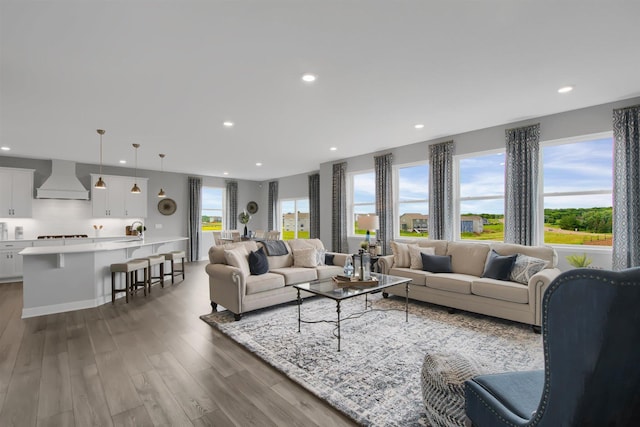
(212,205)
(412,204)
(577,191)
(481,196)
(294,219)
(361,199)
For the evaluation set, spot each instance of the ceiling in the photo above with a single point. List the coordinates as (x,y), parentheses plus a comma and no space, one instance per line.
(167,74)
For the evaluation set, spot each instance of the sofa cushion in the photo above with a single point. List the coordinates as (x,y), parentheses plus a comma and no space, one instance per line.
(401,258)
(546,253)
(307,257)
(216,253)
(416,259)
(498,267)
(326,271)
(436,263)
(293,275)
(500,289)
(264,282)
(281,261)
(525,267)
(305,243)
(237,257)
(452,282)
(468,258)
(418,277)
(440,246)
(258,263)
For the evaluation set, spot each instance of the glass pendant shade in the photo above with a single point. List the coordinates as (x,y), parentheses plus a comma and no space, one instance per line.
(135,189)
(100,184)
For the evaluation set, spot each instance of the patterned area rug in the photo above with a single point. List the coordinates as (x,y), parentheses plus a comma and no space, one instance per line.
(375,378)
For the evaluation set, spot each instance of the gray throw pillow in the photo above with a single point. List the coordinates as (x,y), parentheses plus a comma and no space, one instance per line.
(258,262)
(436,263)
(499,267)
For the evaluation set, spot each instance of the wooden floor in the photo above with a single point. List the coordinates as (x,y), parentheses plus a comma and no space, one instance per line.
(147,363)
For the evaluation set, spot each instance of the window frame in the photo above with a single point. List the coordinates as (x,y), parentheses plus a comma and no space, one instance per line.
(295,201)
(396,194)
(351,204)
(222,209)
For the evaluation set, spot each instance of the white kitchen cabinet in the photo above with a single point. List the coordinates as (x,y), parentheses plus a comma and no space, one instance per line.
(11,260)
(117,201)
(16,192)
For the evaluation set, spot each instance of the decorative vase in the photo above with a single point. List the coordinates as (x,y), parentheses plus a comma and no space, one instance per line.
(245,231)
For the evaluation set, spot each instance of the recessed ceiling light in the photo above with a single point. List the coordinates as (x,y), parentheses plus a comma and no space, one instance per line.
(227,124)
(565,89)
(258,164)
(308,77)
(225,173)
(5,148)
(123,162)
(418,126)
(333,148)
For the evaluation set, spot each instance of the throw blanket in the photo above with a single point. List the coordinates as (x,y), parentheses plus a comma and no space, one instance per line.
(275,247)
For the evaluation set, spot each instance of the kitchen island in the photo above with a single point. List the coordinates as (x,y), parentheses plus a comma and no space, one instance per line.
(65,278)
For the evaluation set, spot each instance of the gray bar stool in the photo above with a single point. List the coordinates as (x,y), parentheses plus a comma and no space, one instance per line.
(130,268)
(172,257)
(156,259)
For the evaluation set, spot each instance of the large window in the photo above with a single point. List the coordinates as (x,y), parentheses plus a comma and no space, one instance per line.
(481,196)
(294,219)
(362,192)
(212,205)
(412,200)
(577,191)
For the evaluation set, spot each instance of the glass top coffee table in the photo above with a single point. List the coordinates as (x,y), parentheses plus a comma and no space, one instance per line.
(340,291)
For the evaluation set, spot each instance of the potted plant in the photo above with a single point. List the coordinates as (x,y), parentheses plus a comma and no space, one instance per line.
(579,261)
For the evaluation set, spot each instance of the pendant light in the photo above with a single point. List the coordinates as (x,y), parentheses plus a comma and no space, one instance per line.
(135,189)
(161,193)
(100,184)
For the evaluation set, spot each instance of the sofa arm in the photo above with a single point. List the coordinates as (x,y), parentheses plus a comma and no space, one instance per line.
(538,284)
(385,263)
(338,258)
(227,286)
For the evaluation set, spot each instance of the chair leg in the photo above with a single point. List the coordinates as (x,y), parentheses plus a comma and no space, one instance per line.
(162,274)
(173,273)
(127,286)
(113,287)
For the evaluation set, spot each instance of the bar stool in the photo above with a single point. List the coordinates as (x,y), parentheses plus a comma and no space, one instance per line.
(130,268)
(156,259)
(174,256)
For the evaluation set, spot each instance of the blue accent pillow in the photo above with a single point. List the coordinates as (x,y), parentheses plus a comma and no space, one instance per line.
(436,263)
(258,263)
(328,259)
(498,266)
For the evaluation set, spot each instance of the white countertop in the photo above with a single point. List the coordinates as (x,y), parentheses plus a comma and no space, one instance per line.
(125,243)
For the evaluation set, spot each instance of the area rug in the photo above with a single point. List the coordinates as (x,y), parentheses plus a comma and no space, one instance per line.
(375,378)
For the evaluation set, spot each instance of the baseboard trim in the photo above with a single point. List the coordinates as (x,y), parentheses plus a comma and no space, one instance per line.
(58,308)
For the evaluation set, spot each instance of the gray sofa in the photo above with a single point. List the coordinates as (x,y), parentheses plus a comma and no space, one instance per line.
(234,288)
(464,288)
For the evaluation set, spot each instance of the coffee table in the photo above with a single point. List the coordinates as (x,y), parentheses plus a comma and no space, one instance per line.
(339,292)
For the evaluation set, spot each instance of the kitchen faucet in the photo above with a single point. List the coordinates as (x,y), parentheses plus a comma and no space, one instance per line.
(141,225)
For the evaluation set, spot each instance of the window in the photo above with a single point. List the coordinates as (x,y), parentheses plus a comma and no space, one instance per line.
(577,191)
(295,219)
(362,193)
(412,200)
(212,204)
(481,196)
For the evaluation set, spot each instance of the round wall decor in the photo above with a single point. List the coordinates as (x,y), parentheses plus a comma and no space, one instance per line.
(167,206)
(252,207)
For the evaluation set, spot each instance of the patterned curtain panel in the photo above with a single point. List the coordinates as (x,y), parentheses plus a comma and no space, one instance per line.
(339,205)
(384,200)
(626,188)
(521,185)
(195,217)
(232,205)
(314,206)
(441,190)
(273,201)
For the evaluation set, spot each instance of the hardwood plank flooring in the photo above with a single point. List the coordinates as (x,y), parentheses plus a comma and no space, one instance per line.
(151,362)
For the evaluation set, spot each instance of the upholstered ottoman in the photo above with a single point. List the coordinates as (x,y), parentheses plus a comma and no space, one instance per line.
(443,377)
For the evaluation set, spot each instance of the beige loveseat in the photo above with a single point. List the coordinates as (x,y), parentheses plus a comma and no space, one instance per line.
(465,288)
(239,291)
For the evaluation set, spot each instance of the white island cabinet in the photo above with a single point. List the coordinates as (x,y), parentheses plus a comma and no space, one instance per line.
(73,277)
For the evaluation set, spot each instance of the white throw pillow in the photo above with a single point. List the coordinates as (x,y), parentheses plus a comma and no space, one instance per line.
(238,257)
(307,257)
(401,257)
(416,258)
(320,256)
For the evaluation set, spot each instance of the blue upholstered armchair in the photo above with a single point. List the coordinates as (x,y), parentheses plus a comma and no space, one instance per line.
(591,338)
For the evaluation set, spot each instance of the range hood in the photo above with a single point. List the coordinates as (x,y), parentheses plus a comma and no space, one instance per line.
(63,183)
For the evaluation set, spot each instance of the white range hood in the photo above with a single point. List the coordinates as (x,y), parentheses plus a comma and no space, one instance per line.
(63,183)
